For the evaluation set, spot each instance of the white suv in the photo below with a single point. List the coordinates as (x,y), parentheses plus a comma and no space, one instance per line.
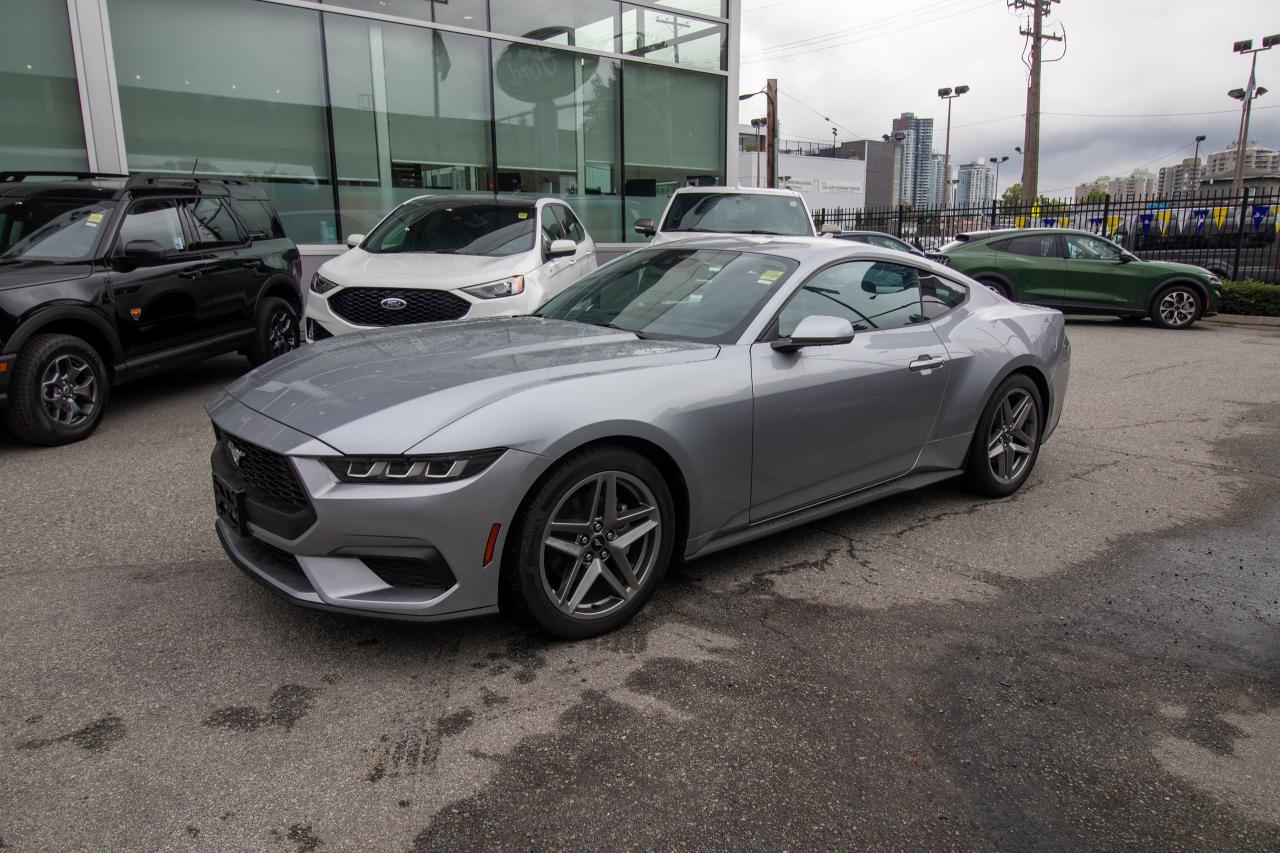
(439,258)
(695,211)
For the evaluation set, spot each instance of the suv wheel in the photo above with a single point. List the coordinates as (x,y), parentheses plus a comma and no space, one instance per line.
(1176,307)
(58,391)
(275,330)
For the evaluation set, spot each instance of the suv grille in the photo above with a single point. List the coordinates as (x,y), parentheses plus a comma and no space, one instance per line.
(363,306)
(269,473)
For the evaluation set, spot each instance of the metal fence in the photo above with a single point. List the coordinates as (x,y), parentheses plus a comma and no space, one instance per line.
(1235,236)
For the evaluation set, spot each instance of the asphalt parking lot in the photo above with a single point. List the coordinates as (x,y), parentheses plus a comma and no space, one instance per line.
(1091,664)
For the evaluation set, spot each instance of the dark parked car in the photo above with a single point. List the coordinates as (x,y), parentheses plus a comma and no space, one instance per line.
(107,278)
(1080,273)
(881,239)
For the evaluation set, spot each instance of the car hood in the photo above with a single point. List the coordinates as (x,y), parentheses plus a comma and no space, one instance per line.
(1160,267)
(358,268)
(383,391)
(25,273)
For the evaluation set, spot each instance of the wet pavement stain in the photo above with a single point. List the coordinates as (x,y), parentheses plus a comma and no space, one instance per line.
(288,705)
(98,736)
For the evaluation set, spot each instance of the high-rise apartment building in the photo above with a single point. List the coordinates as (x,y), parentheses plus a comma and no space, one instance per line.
(1179,179)
(977,184)
(917,165)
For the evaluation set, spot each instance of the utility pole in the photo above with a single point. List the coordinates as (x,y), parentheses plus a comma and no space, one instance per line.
(771,128)
(1031,135)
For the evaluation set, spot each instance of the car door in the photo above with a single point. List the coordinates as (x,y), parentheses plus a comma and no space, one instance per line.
(1098,276)
(584,259)
(557,273)
(833,419)
(156,300)
(1033,263)
(233,274)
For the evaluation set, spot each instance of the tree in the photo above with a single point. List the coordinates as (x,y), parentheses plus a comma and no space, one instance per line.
(1011,198)
(1095,196)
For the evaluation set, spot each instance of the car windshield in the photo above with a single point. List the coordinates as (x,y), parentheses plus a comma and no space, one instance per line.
(738,213)
(673,293)
(54,229)
(454,228)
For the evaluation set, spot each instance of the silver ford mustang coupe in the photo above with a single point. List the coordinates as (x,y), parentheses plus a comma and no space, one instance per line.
(680,400)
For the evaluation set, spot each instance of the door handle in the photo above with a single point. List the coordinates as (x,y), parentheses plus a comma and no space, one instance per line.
(191,275)
(926,363)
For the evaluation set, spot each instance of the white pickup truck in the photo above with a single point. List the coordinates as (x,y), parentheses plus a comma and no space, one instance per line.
(740,211)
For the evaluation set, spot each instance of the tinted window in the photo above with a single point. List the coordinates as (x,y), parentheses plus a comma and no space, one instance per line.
(869,295)
(550,226)
(938,296)
(691,294)
(572,228)
(1082,248)
(732,213)
(1033,245)
(212,223)
(454,229)
(257,218)
(154,221)
(55,230)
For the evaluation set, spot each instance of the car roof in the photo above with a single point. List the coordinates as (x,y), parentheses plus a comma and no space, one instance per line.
(967,236)
(806,250)
(87,185)
(737,191)
(868,234)
(499,199)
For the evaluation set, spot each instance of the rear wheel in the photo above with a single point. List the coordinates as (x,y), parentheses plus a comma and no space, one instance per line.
(275,330)
(1006,443)
(1176,307)
(591,544)
(58,391)
(997,287)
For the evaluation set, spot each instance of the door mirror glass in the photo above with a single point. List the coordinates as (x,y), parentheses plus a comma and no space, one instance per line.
(645,227)
(1126,258)
(354,240)
(817,330)
(562,248)
(144,252)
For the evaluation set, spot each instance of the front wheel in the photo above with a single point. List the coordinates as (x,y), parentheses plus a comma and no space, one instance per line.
(275,330)
(590,544)
(1006,443)
(58,392)
(1176,307)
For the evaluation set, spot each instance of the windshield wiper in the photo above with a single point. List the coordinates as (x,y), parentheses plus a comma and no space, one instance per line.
(638,334)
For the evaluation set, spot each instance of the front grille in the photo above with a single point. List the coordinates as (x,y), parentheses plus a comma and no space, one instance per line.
(363,306)
(271,474)
(409,573)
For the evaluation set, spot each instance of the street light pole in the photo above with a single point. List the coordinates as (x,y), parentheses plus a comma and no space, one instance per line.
(995,190)
(1195,166)
(1252,90)
(948,95)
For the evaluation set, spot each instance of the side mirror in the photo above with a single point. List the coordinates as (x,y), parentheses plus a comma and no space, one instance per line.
(645,227)
(562,249)
(1126,258)
(816,330)
(354,240)
(829,229)
(144,252)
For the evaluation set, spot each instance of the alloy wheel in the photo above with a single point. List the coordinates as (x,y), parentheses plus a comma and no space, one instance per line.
(1177,308)
(69,390)
(600,544)
(1011,442)
(282,333)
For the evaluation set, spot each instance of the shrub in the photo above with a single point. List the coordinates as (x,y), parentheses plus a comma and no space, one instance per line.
(1250,297)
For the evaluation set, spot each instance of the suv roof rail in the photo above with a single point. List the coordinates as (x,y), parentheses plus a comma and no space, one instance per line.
(19,177)
(142,180)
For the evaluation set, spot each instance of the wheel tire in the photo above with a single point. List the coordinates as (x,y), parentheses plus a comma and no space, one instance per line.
(1176,307)
(997,287)
(59,363)
(534,573)
(982,471)
(276,330)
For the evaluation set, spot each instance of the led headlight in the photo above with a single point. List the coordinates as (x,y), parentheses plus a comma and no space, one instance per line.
(321,285)
(512,286)
(412,469)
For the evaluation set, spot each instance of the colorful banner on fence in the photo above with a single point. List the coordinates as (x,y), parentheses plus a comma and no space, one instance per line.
(1163,218)
(1199,217)
(1145,219)
(1260,212)
(1219,216)
(1048,221)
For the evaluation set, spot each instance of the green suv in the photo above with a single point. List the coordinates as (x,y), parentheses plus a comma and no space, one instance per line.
(1080,273)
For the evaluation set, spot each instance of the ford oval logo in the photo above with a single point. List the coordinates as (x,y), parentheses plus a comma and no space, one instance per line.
(394,303)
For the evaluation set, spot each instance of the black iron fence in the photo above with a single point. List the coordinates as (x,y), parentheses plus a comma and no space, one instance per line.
(1235,236)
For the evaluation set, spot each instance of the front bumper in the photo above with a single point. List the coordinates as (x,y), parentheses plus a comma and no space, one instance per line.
(318,313)
(338,562)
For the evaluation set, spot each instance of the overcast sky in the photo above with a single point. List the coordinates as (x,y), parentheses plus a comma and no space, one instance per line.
(863,62)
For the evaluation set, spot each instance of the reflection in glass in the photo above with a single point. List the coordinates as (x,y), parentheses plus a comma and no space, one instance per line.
(40,126)
(674,136)
(650,34)
(557,117)
(697,7)
(590,24)
(205,87)
(410,114)
(459,13)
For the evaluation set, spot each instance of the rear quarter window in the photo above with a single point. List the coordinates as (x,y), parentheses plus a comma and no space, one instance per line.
(257,218)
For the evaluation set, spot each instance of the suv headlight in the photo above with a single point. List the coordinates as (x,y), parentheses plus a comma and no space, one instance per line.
(411,469)
(320,284)
(512,286)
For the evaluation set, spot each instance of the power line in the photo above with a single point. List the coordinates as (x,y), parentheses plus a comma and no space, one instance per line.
(891,19)
(822,115)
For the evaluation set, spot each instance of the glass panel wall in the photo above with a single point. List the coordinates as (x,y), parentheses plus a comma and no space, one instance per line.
(697,7)
(460,13)
(650,34)
(557,127)
(229,88)
(590,24)
(411,114)
(674,124)
(39,100)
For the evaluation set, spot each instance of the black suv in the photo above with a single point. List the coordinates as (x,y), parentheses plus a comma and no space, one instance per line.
(107,278)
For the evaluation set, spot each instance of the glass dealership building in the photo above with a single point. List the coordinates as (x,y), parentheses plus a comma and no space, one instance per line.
(344,108)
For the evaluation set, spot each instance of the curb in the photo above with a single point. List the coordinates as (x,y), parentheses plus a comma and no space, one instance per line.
(1244,320)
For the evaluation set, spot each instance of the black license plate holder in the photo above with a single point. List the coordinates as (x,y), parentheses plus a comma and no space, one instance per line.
(229,502)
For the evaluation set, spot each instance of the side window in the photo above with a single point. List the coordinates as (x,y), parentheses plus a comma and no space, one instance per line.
(256,218)
(212,223)
(1081,248)
(938,296)
(155,221)
(869,295)
(572,228)
(550,226)
(1033,245)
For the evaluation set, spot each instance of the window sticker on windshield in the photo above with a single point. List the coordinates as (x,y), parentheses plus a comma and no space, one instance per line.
(93,219)
(177,244)
(522,214)
(792,203)
(769,276)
